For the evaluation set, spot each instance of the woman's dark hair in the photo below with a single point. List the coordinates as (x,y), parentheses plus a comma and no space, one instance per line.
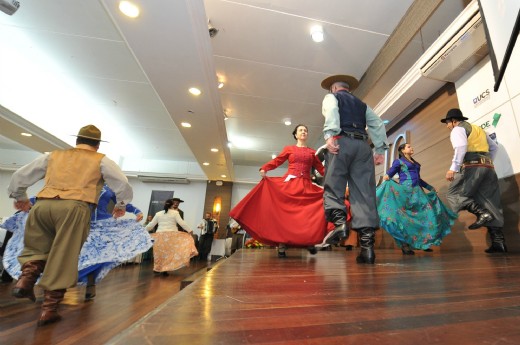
(296,130)
(400,151)
(167,205)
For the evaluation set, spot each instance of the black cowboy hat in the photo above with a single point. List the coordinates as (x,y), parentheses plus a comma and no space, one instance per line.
(454,114)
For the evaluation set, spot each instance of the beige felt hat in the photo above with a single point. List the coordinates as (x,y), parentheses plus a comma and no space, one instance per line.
(350,80)
(90,132)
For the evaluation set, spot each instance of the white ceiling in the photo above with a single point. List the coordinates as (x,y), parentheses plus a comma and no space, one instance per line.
(68,63)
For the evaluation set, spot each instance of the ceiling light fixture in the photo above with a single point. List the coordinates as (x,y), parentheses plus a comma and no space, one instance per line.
(186,124)
(214,150)
(317,33)
(223,176)
(26,134)
(205,163)
(220,85)
(194,91)
(129,9)
(273,156)
(287,122)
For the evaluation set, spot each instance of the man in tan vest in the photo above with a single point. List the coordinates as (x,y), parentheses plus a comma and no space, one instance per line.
(59,222)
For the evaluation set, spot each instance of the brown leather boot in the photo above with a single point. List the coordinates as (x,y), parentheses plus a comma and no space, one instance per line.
(50,307)
(24,288)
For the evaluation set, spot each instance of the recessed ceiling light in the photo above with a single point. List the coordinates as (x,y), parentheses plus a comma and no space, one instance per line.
(26,134)
(194,91)
(205,163)
(287,122)
(186,124)
(223,176)
(214,150)
(129,9)
(220,85)
(317,33)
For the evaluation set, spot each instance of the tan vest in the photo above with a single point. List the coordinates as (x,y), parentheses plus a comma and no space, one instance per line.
(73,174)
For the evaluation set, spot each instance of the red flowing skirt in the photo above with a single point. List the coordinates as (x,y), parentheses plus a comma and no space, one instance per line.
(283,212)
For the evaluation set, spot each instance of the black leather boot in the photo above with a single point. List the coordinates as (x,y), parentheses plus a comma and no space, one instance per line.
(366,242)
(483,215)
(340,232)
(498,244)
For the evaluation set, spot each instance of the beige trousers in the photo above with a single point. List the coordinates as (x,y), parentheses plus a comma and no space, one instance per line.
(55,232)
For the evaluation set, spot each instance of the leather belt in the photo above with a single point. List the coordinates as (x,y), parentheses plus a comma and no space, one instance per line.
(482,161)
(353,135)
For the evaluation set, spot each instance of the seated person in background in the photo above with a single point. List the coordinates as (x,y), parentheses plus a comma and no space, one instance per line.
(237,237)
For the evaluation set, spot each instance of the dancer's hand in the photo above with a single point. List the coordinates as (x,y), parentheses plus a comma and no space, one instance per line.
(118,212)
(450,175)
(332,145)
(379,158)
(262,173)
(22,205)
(139,217)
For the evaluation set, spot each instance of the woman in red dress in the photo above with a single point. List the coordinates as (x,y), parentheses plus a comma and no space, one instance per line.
(286,211)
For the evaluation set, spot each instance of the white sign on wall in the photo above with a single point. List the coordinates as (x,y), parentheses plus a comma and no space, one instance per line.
(494,112)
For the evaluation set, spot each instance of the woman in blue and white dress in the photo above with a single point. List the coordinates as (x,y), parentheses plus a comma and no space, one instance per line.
(415,219)
(110,242)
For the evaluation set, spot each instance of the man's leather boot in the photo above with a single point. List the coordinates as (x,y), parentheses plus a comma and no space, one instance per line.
(341,230)
(50,305)
(498,244)
(483,215)
(24,287)
(366,242)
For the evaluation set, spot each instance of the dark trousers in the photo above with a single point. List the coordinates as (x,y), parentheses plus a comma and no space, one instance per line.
(236,242)
(5,277)
(354,164)
(480,185)
(205,242)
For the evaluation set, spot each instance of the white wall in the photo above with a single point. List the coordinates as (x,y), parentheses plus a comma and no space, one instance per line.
(481,105)
(193,194)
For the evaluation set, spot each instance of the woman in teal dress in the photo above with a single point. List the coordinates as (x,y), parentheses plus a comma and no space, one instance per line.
(415,219)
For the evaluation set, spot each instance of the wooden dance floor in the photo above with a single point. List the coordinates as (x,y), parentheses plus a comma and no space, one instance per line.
(253,297)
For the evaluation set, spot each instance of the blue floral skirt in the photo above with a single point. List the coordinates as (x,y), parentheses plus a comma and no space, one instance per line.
(109,243)
(412,216)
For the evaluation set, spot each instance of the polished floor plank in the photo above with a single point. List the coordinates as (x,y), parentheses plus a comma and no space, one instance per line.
(126,295)
(255,298)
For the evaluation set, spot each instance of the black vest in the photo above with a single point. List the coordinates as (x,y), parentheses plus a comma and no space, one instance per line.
(352,112)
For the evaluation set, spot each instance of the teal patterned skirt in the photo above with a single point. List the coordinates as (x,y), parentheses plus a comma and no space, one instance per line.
(412,216)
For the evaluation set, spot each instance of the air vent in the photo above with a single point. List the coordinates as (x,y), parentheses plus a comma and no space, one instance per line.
(163,179)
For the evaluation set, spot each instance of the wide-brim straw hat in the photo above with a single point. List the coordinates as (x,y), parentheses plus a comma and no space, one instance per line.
(90,132)
(350,80)
(454,114)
